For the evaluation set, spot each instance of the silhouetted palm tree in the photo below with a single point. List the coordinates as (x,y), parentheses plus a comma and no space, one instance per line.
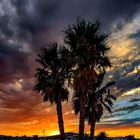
(98,99)
(88,54)
(50,78)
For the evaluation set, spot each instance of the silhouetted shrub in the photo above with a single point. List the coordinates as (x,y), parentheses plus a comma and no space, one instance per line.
(130,137)
(102,136)
(35,137)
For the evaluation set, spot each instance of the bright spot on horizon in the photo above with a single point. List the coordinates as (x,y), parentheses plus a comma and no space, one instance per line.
(54,133)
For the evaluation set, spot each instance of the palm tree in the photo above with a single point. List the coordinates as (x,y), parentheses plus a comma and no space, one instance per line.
(97,100)
(50,78)
(88,50)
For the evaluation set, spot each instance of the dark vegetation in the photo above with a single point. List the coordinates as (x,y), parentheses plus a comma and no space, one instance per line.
(69,136)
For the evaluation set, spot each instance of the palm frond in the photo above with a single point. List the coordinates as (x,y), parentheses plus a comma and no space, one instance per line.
(107,107)
(112,97)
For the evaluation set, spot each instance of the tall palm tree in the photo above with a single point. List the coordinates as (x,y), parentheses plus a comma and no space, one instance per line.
(50,78)
(89,53)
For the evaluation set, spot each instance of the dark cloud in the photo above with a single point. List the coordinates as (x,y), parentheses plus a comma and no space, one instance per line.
(31,18)
(126,83)
(135,100)
(6,30)
(13,62)
(127,77)
(129,109)
(112,115)
(34,16)
(135,36)
(125,121)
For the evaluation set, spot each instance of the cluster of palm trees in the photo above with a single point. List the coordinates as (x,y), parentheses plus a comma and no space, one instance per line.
(82,62)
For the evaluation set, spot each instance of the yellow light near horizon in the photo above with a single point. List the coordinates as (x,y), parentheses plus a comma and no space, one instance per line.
(112,132)
(122,133)
(54,133)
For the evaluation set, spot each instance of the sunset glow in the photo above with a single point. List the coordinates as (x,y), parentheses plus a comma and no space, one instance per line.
(27,26)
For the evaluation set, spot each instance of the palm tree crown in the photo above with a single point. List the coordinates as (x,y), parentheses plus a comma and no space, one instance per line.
(50,76)
(88,46)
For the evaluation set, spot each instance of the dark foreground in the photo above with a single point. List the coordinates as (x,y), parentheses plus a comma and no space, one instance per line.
(69,136)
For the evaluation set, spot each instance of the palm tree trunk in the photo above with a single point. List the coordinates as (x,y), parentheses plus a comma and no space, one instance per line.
(92,127)
(60,120)
(82,117)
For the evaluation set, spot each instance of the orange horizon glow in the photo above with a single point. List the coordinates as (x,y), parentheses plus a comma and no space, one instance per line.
(18,130)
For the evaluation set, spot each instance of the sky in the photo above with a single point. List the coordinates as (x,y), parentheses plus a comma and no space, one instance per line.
(28,25)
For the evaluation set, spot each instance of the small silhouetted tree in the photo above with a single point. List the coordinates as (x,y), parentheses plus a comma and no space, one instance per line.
(131,137)
(102,136)
(36,137)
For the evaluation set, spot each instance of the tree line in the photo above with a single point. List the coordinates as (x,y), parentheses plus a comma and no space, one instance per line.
(82,63)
